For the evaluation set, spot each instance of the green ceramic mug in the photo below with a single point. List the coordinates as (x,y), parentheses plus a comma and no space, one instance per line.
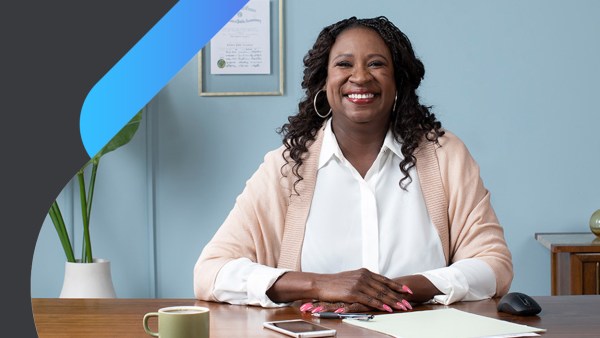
(180,322)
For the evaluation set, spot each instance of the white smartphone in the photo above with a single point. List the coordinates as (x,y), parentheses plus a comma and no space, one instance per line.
(299,328)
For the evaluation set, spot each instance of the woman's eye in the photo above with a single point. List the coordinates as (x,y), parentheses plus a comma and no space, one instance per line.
(343,64)
(376,64)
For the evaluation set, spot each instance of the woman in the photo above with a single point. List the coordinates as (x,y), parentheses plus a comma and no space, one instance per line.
(369,204)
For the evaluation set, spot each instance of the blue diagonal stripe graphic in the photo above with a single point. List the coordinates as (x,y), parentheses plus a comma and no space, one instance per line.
(149,66)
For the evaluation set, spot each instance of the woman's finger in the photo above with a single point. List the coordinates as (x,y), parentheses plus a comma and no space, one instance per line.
(330,306)
(306,307)
(341,307)
(357,307)
(381,297)
(390,283)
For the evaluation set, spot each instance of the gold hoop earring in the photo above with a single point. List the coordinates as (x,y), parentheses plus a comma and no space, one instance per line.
(315,106)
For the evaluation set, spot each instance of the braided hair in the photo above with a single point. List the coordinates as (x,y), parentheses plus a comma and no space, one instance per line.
(410,121)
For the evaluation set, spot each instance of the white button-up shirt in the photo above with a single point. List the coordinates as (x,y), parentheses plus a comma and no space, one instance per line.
(366,222)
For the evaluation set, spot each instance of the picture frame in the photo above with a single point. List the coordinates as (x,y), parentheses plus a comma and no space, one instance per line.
(248,84)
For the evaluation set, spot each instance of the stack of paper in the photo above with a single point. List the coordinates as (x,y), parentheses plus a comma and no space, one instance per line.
(444,323)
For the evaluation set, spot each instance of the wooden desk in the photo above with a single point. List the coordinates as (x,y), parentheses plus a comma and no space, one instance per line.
(564,316)
(575,262)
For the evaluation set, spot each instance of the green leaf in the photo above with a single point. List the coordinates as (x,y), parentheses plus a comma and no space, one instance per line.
(87,254)
(63,235)
(123,136)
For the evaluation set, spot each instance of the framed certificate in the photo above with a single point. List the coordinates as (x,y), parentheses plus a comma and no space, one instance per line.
(246,56)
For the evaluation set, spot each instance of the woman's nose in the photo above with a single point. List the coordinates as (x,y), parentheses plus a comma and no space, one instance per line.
(360,75)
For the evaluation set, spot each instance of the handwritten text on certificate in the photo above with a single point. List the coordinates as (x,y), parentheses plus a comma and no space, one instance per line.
(243,45)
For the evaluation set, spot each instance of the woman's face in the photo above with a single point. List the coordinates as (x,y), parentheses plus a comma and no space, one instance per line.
(360,77)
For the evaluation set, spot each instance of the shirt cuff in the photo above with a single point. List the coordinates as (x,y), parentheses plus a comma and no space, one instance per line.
(244,282)
(260,281)
(466,280)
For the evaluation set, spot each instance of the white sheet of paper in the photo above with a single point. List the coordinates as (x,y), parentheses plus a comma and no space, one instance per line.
(442,323)
(243,45)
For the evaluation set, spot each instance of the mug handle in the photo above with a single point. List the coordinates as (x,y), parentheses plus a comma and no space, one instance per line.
(146,328)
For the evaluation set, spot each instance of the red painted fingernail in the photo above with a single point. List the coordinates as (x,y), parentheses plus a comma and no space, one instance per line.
(340,310)
(401,306)
(407,289)
(387,308)
(306,307)
(317,309)
(407,304)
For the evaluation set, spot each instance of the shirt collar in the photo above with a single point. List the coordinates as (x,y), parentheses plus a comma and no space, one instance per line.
(330,147)
(392,144)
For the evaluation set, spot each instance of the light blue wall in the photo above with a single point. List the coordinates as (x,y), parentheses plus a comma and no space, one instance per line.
(516,80)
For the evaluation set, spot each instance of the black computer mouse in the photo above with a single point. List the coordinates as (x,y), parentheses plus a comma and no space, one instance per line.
(520,304)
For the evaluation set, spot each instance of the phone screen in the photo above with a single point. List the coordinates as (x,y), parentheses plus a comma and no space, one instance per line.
(299,326)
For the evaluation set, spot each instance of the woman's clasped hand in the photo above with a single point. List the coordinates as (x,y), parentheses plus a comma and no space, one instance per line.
(356,291)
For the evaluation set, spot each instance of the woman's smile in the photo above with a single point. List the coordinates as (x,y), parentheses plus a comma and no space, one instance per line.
(360,98)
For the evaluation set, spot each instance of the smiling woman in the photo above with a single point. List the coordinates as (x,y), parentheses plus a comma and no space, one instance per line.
(368,204)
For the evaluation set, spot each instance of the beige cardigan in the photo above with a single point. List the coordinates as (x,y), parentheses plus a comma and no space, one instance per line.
(267,222)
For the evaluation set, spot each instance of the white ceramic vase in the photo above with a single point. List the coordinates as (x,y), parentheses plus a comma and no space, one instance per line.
(88,280)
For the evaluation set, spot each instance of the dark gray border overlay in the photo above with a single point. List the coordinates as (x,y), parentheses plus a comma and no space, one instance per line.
(52,53)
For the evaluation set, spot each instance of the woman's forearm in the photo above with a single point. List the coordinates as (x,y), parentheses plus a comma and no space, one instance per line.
(423,290)
(294,285)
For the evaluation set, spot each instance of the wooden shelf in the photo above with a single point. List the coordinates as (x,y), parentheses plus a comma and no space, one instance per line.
(575,262)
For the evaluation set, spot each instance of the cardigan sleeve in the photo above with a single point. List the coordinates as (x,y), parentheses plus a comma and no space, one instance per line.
(474,228)
(253,229)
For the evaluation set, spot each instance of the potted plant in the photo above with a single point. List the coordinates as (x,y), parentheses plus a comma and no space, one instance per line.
(89,277)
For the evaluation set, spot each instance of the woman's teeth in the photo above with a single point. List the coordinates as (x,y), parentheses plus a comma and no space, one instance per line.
(361,96)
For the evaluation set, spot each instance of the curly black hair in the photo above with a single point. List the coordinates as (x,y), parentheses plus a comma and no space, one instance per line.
(410,121)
